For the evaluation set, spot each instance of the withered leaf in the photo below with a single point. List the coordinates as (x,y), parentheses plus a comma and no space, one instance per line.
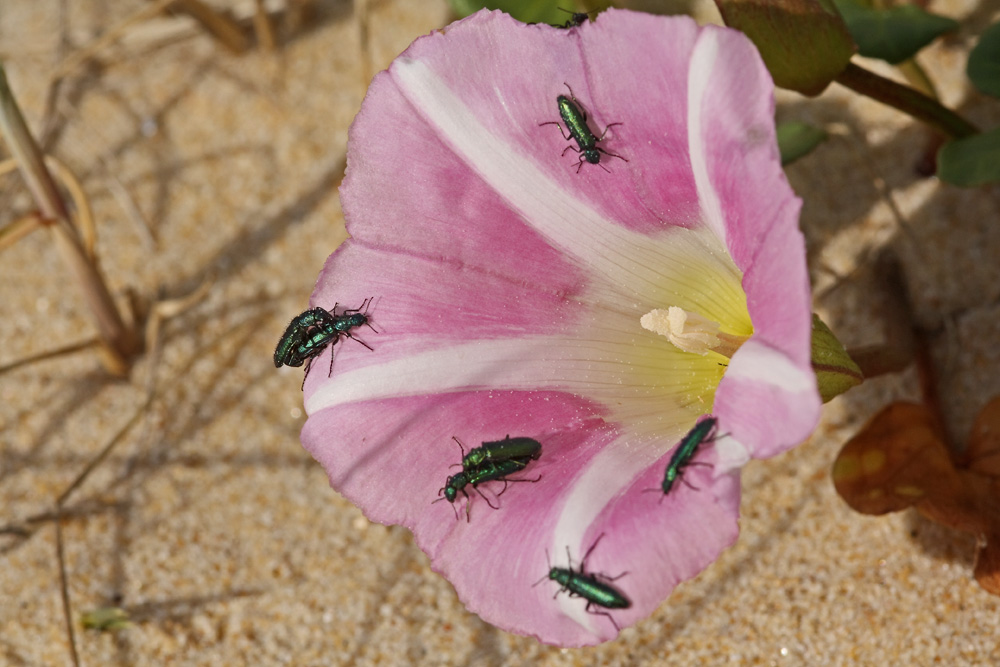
(900,459)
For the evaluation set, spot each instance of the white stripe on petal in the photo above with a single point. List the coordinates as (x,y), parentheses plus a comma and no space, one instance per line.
(630,262)
(477,364)
(606,475)
(730,455)
(759,363)
(703,58)
(594,369)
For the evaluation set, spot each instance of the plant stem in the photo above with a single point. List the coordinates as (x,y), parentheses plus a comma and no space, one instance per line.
(907,100)
(226,30)
(120,340)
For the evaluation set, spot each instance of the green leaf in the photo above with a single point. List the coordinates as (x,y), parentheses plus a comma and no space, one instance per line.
(984,62)
(105,618)
(971,161)
(836,372)
(797,140)
(803,44)
(895,34)
(555,12)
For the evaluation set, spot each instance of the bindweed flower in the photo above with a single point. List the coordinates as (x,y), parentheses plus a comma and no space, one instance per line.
(599,309)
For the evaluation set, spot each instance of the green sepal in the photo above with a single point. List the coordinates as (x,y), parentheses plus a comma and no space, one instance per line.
(895,34)
(804,44)
(983,67)
(835,371)
(796,139)
(971,161)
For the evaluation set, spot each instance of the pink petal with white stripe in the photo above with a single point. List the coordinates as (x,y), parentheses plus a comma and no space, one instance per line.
(508,296)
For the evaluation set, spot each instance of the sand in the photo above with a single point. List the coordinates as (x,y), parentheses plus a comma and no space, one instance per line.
(218,534)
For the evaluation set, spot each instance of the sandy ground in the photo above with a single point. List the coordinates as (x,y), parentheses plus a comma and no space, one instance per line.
(220,536)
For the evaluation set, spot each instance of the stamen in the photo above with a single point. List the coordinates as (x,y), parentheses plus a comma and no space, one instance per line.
(691,332)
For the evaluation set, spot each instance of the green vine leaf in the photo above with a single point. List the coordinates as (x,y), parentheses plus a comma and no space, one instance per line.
(797,139)
(984,62)
(971,161)
(895,34)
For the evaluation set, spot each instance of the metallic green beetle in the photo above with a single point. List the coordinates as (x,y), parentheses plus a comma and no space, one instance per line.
(488,471)
(590,586)
(576,123)
(500,450)
(308,334)
(703,431)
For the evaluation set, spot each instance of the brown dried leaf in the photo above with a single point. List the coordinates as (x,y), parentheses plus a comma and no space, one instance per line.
(900,459)
(896,461)
(987,568)
(982,462)
(983,453)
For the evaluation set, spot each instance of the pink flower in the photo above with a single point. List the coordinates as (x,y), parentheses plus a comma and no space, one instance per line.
(600,312)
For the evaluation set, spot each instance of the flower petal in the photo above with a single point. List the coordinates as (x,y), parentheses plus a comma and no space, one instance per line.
(769,397)
(591,485)
(509,290)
